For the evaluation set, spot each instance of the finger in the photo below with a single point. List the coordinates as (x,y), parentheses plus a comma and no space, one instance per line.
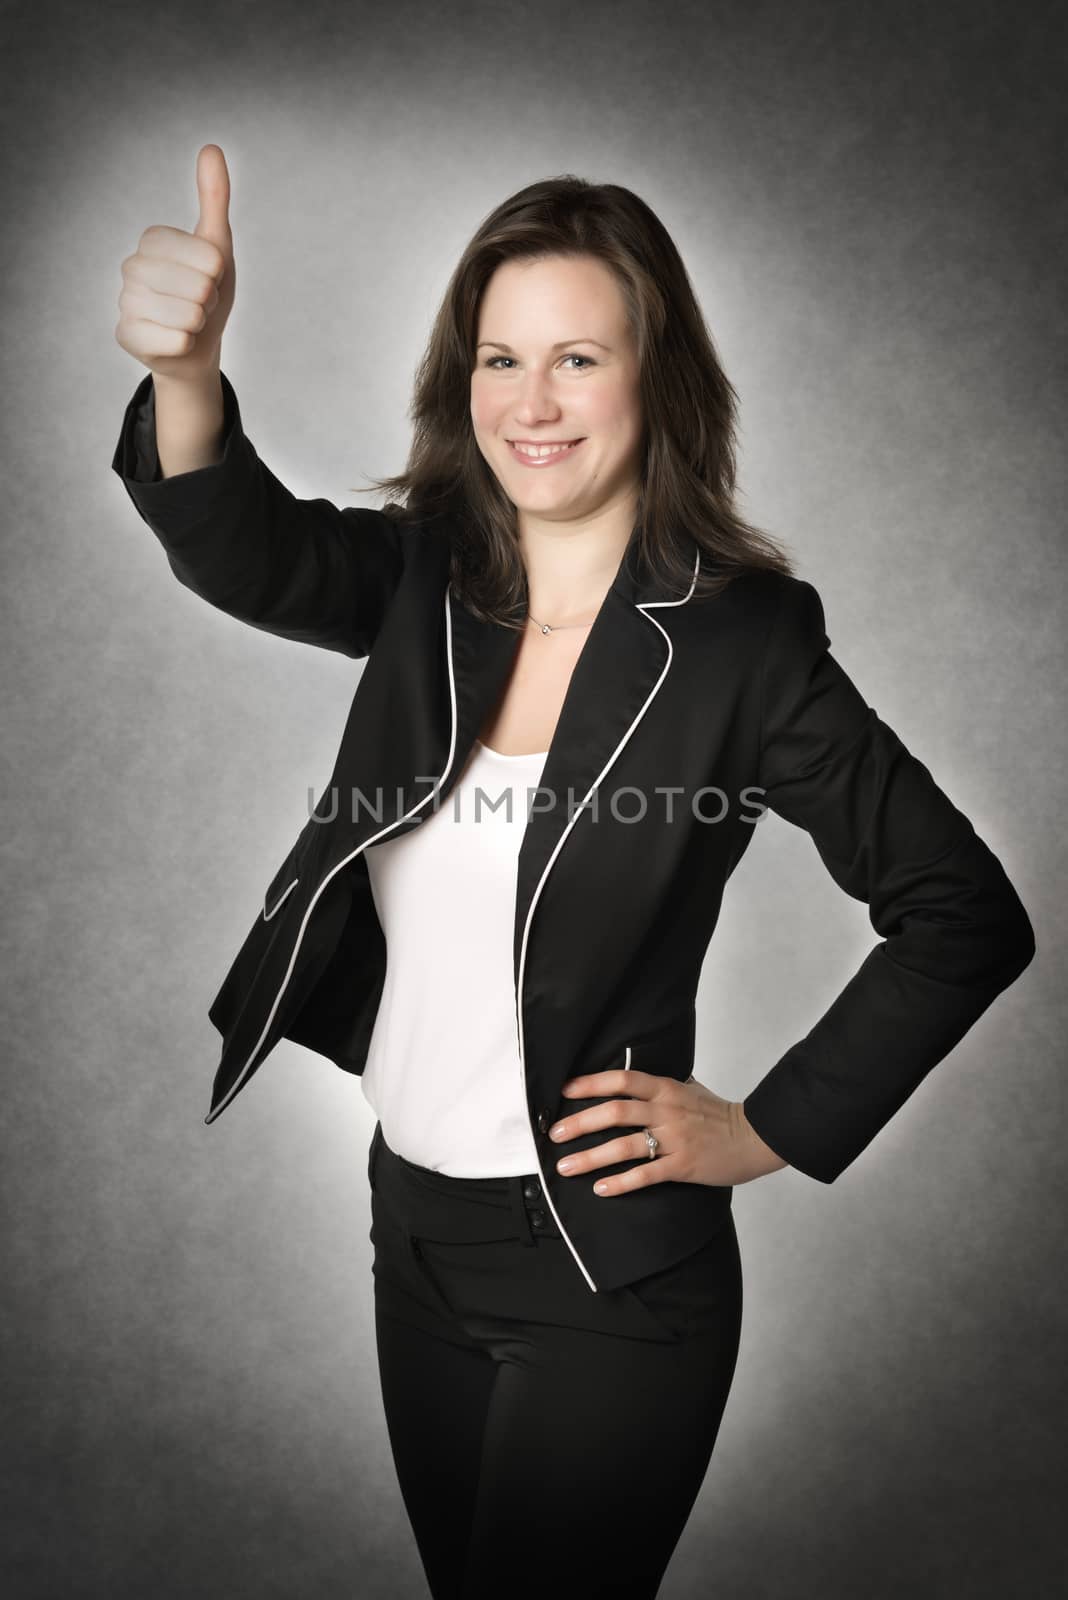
(144,338)
(213,193)
(618,1080)
(167,310)
(160,242)
(165,276)
(609,1114)
(639,1177)
(625,1148)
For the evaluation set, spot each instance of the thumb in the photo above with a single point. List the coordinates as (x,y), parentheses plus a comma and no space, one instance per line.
(213,192)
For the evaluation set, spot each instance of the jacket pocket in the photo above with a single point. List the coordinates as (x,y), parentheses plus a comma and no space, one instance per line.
(279,890)
(287,877)
(665,1051)
(289,873)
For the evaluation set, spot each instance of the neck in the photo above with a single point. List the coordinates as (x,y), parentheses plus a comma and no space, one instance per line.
(570,569)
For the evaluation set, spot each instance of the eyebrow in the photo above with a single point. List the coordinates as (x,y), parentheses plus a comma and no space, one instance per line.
(561,346)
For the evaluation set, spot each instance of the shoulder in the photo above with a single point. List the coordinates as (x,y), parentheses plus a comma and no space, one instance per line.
(423,539)
(776,612)
(772,595)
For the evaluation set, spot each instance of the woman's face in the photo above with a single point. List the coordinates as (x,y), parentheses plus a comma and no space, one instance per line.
(556,365)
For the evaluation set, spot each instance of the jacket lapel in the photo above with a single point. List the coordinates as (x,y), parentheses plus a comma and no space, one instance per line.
(616,677)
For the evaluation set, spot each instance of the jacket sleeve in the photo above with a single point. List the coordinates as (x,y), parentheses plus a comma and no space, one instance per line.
(954,932)
(237,537)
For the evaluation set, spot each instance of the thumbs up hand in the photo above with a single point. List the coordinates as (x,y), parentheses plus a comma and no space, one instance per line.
(178,288)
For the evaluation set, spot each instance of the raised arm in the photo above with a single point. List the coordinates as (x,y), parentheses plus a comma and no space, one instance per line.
(232,533)
(238,538)
(954,931)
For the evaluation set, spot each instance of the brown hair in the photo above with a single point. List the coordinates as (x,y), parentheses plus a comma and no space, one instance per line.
(689,406)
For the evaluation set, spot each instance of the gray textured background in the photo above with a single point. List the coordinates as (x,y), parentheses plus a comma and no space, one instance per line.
(867,199)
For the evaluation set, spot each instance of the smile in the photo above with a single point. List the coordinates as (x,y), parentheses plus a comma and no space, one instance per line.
(542,455)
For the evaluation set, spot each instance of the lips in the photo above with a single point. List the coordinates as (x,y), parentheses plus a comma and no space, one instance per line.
(553,455)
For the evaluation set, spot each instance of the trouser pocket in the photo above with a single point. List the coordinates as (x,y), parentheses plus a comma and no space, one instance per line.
(699,1295)
(372,1154)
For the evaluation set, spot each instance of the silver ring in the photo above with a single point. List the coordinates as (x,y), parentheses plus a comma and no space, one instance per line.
(652,1141)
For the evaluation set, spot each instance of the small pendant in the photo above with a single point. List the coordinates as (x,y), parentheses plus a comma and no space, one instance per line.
(546,628)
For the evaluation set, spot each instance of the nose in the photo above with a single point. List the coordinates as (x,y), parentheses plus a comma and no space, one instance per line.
(536,403)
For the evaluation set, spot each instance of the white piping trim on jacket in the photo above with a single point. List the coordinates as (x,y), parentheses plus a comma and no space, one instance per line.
(239,1080)
(267,915)
(643,608)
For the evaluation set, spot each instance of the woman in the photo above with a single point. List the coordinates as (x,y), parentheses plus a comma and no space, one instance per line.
(566,611)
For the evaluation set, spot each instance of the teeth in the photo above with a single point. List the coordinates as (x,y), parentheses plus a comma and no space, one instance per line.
(541,450)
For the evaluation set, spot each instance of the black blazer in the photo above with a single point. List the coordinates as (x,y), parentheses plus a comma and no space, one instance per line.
(712,707)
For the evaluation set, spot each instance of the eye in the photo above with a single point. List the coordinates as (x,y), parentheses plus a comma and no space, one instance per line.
(492,361)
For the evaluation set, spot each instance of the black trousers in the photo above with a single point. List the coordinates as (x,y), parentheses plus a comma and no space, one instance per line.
(549,1442)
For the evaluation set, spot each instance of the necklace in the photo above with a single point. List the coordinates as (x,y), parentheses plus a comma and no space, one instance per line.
(560,627)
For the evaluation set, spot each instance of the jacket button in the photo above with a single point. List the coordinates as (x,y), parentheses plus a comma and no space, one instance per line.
(532,1190)
(544,1122)
(537,1219)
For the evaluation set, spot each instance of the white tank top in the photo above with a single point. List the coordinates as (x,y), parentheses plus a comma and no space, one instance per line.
(443,1072)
